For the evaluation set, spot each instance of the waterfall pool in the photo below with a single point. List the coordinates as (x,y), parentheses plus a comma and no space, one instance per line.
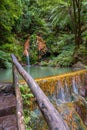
(34,71)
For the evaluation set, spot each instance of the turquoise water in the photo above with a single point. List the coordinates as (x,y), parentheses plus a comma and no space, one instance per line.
(35,72)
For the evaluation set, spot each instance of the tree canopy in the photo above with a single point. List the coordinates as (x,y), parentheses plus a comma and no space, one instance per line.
(63,25)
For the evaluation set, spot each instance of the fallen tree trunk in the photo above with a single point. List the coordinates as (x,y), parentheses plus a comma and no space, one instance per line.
(51,115)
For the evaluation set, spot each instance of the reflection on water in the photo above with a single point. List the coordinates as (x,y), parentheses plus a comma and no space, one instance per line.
(35,72)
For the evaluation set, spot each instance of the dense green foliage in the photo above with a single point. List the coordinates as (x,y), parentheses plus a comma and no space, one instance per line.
(26,96)
(9,12)
(63,25)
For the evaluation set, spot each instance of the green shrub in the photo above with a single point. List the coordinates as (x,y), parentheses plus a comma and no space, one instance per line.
(5,60)
(26,95)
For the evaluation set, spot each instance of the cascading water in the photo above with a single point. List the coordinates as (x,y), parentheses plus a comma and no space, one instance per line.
(27,60)
(68,91)
(62,95)
(75,87)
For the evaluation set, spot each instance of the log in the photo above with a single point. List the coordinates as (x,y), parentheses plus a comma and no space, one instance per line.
(19,106)
(51,115)
(19,110)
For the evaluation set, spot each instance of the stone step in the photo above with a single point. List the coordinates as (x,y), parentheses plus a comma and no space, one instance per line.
(7,104)
(8,123)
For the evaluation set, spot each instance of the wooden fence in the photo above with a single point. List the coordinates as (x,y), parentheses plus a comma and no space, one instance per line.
(51,115)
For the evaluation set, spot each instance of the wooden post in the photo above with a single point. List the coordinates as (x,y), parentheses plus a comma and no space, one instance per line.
(52,116)
(19,106)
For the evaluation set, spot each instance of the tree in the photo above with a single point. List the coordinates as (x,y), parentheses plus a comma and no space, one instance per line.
(77,21)
(9,11)
(70,15)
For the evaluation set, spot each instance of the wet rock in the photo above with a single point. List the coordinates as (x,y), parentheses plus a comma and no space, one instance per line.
(81,108)
(4,87)
(78,65)
(73,113)
(83,91)
(72,117)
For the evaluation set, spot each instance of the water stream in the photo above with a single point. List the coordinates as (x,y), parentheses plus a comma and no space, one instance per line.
(35,72)
(75,88)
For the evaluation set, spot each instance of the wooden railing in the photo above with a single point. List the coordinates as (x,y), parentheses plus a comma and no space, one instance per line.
(51,115)
(19,105)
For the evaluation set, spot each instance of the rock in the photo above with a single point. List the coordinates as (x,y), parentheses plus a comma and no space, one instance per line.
(4,87)
(79,65)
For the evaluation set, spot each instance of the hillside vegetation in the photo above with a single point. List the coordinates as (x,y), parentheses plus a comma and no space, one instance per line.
(62,24)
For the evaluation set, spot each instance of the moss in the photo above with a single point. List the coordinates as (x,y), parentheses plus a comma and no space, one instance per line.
(48,84)
(70,116)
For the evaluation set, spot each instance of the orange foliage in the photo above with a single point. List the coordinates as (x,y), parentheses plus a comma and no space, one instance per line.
(41,45)
(26,47)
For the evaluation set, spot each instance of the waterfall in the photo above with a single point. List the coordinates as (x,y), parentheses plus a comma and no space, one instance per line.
(67,92)
(28,69)
(60,92)
(61,95)
(63,86)
(28,60)
(75,88)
